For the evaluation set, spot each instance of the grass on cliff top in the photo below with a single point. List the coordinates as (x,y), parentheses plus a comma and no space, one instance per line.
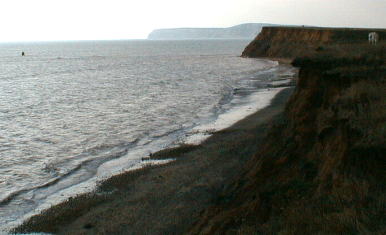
(320,170)
(339,55)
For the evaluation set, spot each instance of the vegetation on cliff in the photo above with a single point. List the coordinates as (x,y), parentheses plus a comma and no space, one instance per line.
(291,42)
(315,168)
(321,169)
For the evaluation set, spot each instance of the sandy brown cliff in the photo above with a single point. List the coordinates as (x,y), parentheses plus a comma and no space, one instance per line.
(321,169)
(290,42)
(318,167)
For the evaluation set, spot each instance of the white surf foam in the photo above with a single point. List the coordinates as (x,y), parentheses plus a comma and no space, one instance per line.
(255,102)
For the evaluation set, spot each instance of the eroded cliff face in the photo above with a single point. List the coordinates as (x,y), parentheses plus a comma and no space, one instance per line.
(291,42)
(321,167)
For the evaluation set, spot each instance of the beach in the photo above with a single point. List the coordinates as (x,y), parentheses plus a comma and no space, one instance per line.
(79,112)
(164,199)
(308,163)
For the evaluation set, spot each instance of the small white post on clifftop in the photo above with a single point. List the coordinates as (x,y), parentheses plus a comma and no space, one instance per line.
(373,38)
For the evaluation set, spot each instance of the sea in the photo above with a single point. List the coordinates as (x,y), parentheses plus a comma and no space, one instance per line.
(77,112)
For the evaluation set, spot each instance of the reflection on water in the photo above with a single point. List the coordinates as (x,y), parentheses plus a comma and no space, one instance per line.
(67,109)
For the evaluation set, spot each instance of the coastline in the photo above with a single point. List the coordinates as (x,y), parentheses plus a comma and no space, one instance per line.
(319,169)
(306,166)
(131,159)
(199,170)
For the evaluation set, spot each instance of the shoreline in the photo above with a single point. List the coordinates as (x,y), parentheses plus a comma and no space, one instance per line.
(246,178)
(110,190)
(117,166)
(244,106)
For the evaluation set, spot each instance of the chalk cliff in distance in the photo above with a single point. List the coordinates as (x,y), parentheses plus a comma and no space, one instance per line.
(316,167)
(242,31)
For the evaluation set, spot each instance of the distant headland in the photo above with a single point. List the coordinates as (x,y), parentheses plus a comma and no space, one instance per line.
(310,163)
(242,31)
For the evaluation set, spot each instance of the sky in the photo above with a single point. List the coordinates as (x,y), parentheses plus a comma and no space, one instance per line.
(42,20)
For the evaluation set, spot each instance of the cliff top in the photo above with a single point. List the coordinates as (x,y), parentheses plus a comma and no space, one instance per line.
(291,42)
(340,55)
(323,28)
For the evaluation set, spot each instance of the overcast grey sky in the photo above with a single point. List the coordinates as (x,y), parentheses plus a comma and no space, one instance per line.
(123,19)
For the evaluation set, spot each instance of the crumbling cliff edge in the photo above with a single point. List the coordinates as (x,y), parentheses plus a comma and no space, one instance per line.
(312,165)
(320,170)
(292,42)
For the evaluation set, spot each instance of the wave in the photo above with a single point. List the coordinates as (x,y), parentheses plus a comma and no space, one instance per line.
(90,164)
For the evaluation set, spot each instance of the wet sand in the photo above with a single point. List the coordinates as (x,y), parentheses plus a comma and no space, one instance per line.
(164,199)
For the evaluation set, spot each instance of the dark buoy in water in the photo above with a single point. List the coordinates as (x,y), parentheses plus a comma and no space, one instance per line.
(22,53)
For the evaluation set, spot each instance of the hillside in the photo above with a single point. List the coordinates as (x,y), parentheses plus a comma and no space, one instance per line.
(243,31)
(313,162)
(321,168)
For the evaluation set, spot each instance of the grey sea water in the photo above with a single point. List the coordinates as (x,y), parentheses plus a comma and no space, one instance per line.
(70,111)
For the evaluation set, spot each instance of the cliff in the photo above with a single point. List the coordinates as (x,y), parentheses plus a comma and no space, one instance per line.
(243,31)
(321,168)
(291,42)
(312,165)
